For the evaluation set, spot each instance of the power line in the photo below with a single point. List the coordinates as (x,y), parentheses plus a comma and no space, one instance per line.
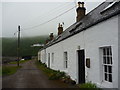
(51,11)
(48,20)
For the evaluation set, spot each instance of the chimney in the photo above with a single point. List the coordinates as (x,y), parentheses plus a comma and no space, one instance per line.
(60,29)
(46,41)
(80,11)
(51,36)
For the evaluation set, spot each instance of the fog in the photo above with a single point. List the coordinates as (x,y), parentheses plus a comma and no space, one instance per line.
(33,17)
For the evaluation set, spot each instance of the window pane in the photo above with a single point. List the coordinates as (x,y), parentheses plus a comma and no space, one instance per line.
(106,76)
(111,60)
(65,64)
(107,51)
(110,77)
(108,60)
(105,68)
(66,58)
(104,60)
(110,69)
(104,53)
(110,51)
(52,57)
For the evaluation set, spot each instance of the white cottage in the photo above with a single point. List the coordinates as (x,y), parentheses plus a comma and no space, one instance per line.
(88,49)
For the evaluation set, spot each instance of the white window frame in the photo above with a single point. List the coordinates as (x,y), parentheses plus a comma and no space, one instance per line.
(65,60)
(52,57)
(107,63)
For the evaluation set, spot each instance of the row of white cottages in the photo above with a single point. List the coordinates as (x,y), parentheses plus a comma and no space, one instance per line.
(89,49)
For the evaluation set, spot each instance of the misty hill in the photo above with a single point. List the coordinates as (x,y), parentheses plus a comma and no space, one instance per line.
(9,46)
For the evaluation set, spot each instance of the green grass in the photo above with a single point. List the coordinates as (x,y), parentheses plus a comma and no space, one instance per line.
(22,61)
(0,70)
(52,74)
(9,70)
(89,85)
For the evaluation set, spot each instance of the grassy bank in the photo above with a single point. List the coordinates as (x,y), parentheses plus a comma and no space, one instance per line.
(0,70)
(52,74)
(88,85)
(57,75)
(8,70)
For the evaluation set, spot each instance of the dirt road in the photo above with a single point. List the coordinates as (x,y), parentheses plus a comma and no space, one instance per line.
(30,77)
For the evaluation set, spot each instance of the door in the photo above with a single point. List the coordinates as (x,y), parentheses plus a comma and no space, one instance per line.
(81,66)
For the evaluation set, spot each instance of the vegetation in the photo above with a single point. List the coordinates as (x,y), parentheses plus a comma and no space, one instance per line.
(57,75)
(21,61)
(9,46)
(8,70)
(52,74)
(0,70)
(89,85)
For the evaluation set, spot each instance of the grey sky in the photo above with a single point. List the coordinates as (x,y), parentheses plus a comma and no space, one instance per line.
(0,19)
(29,14)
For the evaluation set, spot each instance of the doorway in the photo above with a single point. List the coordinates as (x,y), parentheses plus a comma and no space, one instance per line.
(81,66)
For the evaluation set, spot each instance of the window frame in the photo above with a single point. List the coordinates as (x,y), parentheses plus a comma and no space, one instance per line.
(49,60)
(107,63)
(65,59)
(52,57)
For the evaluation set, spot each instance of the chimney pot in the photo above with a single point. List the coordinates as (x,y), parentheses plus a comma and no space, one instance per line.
(80,11)
(59,25)
(60,29)
(51,36)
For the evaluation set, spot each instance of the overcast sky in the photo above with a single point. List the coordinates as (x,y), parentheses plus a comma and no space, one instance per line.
(30,14)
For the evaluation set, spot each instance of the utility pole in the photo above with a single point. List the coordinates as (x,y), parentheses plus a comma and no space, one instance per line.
(18,46)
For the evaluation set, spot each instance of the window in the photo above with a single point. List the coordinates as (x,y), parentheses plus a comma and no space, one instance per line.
(107,63)
(109,6)
(48,59)
(52,57)
(65,60)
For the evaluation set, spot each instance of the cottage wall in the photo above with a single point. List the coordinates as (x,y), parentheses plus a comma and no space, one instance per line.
(119,51)
(43,56)
(91,40)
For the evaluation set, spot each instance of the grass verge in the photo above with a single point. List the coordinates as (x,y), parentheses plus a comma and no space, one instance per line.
(52,74)
(88,85)
(0,70)
(22,61)
(57,75)
(8,70)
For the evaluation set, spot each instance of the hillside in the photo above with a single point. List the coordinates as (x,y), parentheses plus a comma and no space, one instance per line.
(9,45)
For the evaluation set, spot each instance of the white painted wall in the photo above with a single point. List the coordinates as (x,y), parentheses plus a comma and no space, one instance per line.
(43,56)
(100,35)
(119,51)
(39,55)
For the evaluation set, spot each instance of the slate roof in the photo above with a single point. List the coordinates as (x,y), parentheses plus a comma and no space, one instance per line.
(103,12)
